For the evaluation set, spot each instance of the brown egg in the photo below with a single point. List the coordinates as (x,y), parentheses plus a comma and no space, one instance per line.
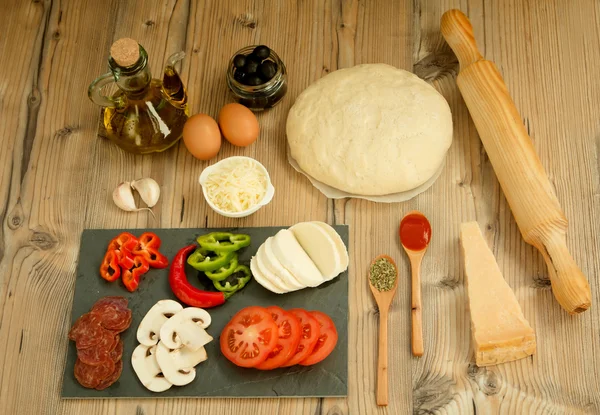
(202,137)
(238,125)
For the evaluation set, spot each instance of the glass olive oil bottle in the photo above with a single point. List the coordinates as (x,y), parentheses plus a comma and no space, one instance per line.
(145,115)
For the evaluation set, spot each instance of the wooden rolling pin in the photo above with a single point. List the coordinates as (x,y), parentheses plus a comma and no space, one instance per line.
(517,166)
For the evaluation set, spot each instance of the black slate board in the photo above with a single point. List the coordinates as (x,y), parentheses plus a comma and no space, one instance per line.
(216,377)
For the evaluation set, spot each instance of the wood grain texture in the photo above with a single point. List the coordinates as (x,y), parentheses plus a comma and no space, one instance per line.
(56,177)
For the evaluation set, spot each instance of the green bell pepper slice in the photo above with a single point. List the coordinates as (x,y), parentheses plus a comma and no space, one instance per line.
(204,260)
(225,271)
(223,241)
(239,281)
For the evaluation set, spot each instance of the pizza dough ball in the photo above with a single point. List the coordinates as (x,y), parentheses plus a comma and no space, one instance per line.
(370,130)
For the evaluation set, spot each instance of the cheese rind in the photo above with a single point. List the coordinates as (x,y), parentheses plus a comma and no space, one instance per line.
(499,329)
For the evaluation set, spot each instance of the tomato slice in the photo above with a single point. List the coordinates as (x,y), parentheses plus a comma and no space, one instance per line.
(328,338)
(308,339)
(289,338)
(249,337)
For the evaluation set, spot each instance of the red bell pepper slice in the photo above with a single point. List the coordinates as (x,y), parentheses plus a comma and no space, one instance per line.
(127,260)
(110,269)
(136,267)
(147,246)
(124,242)
(149,239)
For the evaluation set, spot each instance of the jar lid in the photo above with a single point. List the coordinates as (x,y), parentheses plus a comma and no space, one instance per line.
(125,52)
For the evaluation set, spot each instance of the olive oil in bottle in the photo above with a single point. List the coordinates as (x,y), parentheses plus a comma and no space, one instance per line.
(145,115)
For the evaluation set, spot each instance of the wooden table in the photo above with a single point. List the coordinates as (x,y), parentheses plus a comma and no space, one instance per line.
(57,177)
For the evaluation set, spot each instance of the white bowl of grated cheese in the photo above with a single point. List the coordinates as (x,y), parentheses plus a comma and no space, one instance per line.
(236,187)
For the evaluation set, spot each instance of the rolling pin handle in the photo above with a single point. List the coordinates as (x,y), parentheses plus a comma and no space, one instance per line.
(569,285)
(458,32)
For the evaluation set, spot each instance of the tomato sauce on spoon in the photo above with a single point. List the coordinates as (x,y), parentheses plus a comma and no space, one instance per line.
(415,232)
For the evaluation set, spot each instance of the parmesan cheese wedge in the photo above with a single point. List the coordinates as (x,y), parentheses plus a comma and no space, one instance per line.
(292,256)
(271,265)
(320,247)
(499,329)
(261,279)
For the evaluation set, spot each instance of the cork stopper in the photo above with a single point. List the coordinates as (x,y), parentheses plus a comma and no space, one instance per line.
(125,52)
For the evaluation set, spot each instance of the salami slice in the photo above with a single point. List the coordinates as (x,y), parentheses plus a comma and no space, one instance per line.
(90,376)
(100,352)
(125,323)
(113,316)
(86,331)
(117,353)
(120,301)
(99,347)
(113,377)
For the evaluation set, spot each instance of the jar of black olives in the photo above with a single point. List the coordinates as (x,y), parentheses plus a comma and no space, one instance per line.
(257,77)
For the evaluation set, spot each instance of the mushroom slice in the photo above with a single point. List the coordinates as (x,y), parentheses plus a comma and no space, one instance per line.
(186,328)
(187,358)
(192,336)
(148,332)
(147,369)
(178,365)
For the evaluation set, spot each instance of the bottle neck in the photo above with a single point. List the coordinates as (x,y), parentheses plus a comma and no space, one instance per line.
(135,79)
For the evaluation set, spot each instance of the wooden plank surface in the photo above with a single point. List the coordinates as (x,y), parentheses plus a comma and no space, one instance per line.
(56,177)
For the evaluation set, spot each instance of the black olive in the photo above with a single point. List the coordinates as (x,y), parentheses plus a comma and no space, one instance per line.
(253,80)
(251,67)
(253,58)
(267,70)
(239,75)
(239,61)
(262,51)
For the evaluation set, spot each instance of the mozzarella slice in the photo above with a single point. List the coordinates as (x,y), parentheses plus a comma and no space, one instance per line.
(273,278)
(261,279)
(294,258)
(271,264)
(320,247)
(340,245)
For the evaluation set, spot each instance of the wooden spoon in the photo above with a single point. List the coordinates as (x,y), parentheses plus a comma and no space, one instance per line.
(415,234)
(383,300)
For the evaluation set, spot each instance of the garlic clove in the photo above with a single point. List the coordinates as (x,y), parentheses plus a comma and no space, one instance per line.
(148,189)
(123,197)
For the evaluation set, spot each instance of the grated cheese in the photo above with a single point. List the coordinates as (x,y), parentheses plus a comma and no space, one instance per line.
(236,185)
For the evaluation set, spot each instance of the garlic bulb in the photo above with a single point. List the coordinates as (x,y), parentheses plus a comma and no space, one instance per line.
(148,189)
